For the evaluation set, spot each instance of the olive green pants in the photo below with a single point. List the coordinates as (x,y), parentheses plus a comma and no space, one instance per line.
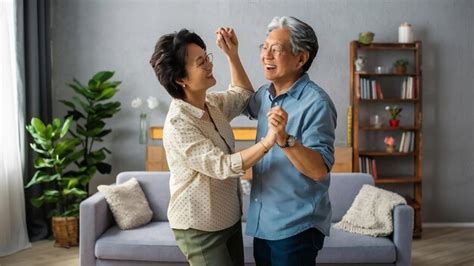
(221,248)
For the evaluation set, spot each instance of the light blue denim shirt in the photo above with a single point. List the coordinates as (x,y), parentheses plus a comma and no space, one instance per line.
(283,201)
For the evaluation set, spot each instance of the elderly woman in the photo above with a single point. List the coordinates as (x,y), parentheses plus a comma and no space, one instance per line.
(205,205)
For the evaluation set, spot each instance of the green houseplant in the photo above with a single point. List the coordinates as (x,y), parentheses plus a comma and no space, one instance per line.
(54,153)
(366,37)
(400,66)
(89,109)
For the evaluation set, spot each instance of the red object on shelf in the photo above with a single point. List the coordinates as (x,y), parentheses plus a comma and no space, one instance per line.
(394,123)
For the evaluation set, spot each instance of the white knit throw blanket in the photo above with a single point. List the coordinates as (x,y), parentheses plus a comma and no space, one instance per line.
(371,212)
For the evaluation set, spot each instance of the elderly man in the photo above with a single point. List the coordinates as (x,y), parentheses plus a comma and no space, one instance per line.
(290,212)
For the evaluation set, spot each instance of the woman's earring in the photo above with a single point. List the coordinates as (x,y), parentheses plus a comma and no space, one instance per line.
(184,85)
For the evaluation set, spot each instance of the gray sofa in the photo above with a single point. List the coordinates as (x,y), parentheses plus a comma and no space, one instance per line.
(103,243)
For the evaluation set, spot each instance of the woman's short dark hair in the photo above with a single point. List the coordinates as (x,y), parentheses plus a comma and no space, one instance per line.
(169,59)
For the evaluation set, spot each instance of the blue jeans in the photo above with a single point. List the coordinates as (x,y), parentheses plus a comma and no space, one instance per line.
(297,250)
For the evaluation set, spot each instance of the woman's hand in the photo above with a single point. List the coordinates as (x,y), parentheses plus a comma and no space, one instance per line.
(226,40)
(277,120)
(270,139)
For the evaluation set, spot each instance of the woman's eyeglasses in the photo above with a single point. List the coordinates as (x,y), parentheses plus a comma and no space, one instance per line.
(203,61)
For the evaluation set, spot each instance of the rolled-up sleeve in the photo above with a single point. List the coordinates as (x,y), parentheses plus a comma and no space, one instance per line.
(199,153)
(232,101)
(319,131)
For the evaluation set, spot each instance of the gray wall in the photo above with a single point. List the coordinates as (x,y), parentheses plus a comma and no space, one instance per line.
(119,35)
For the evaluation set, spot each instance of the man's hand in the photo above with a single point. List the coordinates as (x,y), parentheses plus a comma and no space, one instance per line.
(226,39)
(277,120)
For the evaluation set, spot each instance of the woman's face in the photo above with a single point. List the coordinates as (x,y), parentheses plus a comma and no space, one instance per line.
(199,70)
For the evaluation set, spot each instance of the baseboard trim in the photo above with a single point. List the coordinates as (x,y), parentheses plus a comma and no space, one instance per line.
(438,225)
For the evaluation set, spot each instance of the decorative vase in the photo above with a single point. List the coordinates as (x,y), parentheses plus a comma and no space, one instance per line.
(405,33)
(400,69)
(143,130)
(390,148)
(360,63)
(394,123)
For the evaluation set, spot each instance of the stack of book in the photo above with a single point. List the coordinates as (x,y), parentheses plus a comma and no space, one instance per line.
(367,165)
(408,88)
(407,143)
(369,89)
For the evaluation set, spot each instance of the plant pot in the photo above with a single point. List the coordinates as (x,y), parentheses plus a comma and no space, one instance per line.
(66,231)
(390,148)
(394,123)
(400,69)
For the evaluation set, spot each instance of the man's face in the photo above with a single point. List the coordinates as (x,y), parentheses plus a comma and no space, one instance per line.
(279,63)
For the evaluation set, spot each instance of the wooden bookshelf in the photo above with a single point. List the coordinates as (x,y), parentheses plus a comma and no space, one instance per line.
(397,180)
(388,46)
(363,135)
(385,128)
(373,74)
(384,153)
(388,100)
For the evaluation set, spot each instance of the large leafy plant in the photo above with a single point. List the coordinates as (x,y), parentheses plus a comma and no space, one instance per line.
(54,153)
(89,109)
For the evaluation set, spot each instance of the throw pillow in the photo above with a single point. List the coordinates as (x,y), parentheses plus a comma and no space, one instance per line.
(371,212)
(128,204)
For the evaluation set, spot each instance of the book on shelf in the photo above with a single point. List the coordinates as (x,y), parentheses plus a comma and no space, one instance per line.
(369,89)
(407,142)
(408,88)
(412,142)
(402,141)
(368,165)
(379,90)
(374,169)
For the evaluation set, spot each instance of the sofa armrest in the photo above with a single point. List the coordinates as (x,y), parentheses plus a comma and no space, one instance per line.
(95,218)
(403,219)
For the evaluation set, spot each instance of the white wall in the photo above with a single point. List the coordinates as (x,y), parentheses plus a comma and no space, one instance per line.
(119,35)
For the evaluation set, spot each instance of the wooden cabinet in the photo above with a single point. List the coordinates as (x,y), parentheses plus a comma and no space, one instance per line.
(370,92)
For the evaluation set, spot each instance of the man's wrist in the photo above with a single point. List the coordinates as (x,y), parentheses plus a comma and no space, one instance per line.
(290,141)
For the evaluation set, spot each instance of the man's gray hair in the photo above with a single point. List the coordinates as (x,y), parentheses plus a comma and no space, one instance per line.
(302,36)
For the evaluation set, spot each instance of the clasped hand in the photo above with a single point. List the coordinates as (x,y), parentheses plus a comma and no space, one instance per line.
(277,120)
(226,40)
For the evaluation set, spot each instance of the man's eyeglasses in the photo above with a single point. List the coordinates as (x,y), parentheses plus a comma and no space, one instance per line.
(275,49)
(201,62)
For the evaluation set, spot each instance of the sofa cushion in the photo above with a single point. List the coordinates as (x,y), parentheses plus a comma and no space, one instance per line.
(157,190)
(345,247)
(152,242)
(155,242)
(127,203)
(343,189)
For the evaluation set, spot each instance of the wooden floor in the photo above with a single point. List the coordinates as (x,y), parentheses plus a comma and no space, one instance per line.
(439,246)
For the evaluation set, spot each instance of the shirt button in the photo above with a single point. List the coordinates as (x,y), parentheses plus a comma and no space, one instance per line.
(255,199)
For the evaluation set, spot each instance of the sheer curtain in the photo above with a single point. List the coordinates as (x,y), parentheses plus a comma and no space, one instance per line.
(13,233)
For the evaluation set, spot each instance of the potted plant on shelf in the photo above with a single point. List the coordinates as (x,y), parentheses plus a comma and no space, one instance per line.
(366,37)
(400,66)
(54,153)
(89,112)
(394,112)
(389,144)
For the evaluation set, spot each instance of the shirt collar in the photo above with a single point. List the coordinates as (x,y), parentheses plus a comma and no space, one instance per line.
(191,109)
(296,89)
